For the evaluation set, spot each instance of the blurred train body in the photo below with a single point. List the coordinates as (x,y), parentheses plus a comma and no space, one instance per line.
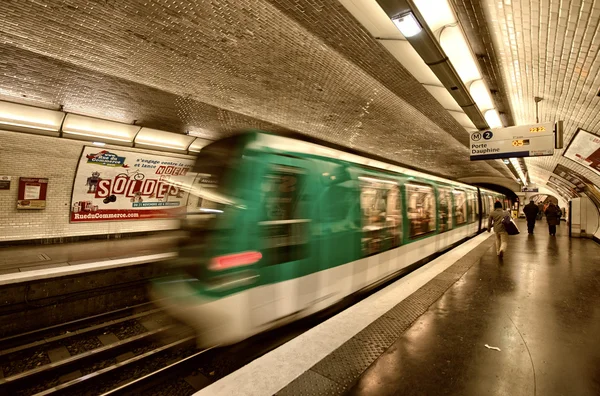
(282,228)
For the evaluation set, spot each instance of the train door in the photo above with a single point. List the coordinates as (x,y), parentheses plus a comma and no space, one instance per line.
(283,236)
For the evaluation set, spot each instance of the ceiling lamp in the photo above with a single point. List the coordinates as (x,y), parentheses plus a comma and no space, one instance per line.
(437,13)
(493,118)
(407,24)
(152,138)
(455,46)
(480,94)
(23,118)
(97,130)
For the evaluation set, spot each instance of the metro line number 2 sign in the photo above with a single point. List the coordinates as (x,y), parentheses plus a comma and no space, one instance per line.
(521,141)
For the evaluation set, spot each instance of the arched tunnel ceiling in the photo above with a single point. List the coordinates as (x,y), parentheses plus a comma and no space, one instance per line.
(216,65)
(543,48)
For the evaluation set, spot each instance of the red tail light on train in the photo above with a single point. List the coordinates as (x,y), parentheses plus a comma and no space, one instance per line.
(234,260)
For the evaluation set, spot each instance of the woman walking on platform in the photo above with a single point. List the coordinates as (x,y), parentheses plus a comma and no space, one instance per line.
(496,218)
(552,217)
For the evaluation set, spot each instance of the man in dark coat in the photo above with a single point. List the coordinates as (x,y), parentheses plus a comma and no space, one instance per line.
(552,218)
(531,211)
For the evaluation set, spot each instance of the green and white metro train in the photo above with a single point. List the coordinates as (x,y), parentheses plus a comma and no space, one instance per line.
(283,228)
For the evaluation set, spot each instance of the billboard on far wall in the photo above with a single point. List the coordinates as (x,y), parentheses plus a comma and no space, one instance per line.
(121,185)
(585,150)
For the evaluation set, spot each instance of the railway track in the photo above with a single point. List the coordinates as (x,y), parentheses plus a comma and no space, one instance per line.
(96,354)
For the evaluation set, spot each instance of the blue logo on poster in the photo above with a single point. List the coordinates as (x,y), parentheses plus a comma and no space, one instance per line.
(107,159)
(487,135)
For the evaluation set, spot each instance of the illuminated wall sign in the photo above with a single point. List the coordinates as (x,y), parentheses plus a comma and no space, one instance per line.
(530,189)
(521,141)
(585,150)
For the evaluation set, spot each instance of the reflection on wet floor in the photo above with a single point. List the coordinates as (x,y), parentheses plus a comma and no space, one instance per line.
(538,305)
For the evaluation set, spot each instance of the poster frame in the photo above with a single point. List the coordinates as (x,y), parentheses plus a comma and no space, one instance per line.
(569,145)
(129,150)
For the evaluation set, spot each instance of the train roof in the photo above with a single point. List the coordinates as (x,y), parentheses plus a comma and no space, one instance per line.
(298,143)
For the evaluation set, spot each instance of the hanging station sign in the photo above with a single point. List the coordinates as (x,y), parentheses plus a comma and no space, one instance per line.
(120,185)
(584,149)
(520,141)
(32,193)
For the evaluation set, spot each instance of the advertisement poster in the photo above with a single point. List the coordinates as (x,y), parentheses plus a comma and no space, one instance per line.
(121,185)
(32,193)
(582,183)
(585,150)
(564,186)
(572,177)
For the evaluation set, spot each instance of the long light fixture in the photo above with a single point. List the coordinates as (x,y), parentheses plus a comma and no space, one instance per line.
(407,24)
(24,118)
(455,46)
(440,18)
(198,144)
(493,118)
(148,137)
(95,129)
(517,166)
(481,95)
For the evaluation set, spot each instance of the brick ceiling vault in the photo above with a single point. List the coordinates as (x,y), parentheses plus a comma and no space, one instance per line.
(224,64)
(549,49)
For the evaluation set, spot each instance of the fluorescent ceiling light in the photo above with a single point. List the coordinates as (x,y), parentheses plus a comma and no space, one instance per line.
(481,95)
(20,117)
(455,46)
(407,24)
(198,144)
(493,119)
(99,129)
(167,140)
(437,13)
(517,166)
(101,144)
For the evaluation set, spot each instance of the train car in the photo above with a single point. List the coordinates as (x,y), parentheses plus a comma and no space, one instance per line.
(280,228)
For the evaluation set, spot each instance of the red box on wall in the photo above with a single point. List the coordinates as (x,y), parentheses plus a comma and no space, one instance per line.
(32,193)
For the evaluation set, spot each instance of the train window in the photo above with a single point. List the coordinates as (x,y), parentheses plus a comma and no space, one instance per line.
(473,209)
(421,209)
(445,208)
(486,205)
(284,222)
(381,206)
(336,203)
(490,203)
(460,207)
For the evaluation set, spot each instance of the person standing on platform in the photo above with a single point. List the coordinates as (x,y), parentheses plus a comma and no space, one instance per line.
(531,211)
(496,218)
(552,218)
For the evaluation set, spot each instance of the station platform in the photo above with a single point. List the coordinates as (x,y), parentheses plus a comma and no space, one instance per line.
(38,257)
(468,323)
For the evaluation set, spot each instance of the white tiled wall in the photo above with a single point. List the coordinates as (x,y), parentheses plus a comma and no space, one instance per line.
(24,155)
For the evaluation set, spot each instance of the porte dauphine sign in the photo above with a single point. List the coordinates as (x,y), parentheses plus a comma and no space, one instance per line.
(520,141)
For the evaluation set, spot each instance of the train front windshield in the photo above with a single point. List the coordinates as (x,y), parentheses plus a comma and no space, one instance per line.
(215,188)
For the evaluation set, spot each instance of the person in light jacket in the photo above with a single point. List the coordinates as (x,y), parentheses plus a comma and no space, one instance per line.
(495,219)
(552,217)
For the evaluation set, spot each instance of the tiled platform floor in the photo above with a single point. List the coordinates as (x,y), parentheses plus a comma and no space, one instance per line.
(539,305)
